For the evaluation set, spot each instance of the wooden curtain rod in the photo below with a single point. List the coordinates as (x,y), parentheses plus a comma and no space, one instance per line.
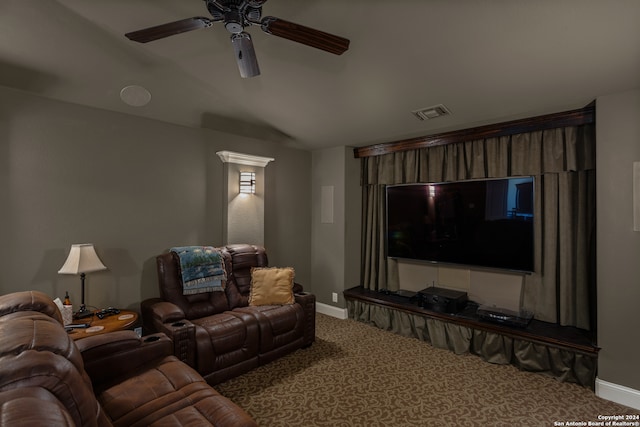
(549,121)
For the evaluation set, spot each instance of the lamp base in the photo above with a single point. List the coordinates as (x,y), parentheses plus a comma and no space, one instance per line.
(82,313)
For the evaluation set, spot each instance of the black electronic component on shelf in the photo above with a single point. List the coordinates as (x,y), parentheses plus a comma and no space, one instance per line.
(442,300)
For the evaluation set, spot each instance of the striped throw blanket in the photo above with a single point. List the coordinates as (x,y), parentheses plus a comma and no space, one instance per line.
(202,269)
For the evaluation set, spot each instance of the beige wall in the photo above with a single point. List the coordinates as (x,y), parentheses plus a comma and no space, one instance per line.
(353,221)
(132,186)
(287,211)
(490,287)
(618,246)
(335,253)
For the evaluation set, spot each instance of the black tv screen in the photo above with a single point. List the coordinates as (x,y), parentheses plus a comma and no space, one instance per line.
(484,223)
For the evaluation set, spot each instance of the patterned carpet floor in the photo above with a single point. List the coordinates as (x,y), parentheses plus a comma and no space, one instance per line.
(358,375)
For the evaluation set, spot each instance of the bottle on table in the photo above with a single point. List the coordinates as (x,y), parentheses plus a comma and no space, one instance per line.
(67,300)
(67,309)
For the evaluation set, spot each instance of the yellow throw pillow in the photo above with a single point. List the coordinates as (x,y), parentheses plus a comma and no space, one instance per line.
(271,286)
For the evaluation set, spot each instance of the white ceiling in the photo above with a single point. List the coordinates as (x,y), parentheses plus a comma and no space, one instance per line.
(487,61)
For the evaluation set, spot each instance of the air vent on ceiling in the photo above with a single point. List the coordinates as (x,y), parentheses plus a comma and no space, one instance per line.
(431,112)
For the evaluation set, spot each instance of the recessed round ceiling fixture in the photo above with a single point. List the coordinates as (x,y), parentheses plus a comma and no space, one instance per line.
(135,95)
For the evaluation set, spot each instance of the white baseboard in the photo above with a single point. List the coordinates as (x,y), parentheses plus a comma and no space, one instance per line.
(618,393)
(329,310)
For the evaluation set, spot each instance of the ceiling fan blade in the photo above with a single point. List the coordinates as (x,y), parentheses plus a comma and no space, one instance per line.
(169,29)
(245,55)
(305,35)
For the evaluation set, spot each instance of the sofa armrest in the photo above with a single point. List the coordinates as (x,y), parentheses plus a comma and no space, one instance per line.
(156,311)
(115,355)
(297,288)
(183,335)
(308,303)
(164,317)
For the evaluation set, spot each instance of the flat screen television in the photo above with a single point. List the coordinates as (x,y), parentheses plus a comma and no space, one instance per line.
(483,223)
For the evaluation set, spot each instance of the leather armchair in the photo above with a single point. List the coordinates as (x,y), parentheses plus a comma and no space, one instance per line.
(114,379)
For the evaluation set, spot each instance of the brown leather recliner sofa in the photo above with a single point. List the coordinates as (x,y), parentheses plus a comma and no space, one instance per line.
(113,379)
(219,333)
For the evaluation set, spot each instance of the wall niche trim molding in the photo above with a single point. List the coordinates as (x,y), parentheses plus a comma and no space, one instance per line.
(244,159)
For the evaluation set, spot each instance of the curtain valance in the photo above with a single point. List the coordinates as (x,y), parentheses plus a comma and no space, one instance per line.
(533,153)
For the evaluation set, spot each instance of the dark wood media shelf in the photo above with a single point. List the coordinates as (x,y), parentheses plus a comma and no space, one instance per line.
(565,337)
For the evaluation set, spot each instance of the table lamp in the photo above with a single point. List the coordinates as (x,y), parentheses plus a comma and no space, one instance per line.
(82,259)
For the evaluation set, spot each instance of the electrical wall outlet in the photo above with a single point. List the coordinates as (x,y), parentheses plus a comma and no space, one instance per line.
(334,297)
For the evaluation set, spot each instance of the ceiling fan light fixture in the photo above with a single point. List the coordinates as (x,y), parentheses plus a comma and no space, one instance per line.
(233,27)
(236,15)
(245,55)
(234,21)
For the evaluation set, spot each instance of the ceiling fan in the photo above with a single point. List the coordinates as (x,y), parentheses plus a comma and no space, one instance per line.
(236,15)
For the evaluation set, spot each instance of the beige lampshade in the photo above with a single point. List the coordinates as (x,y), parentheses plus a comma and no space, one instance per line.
(82,259)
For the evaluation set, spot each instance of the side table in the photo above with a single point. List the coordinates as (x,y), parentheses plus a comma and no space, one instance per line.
(126,319)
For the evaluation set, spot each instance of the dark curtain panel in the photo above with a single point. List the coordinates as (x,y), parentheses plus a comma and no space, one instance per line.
(563,163)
